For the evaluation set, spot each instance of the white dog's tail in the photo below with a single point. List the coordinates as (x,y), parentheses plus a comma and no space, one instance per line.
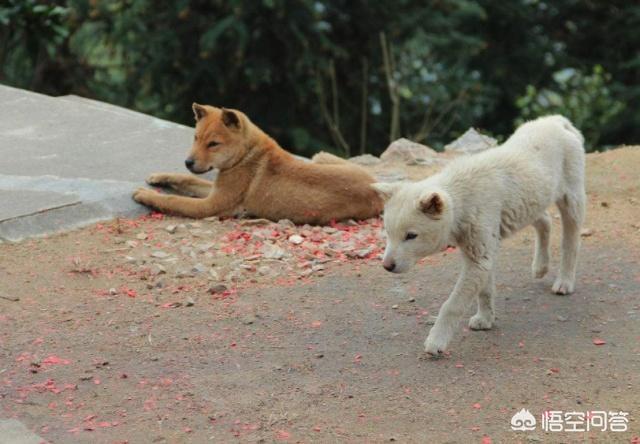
(568,126)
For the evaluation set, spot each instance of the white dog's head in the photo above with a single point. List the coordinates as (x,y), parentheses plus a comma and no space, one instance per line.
(417,220)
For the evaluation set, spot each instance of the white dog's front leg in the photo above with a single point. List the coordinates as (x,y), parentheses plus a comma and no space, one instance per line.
(472,280)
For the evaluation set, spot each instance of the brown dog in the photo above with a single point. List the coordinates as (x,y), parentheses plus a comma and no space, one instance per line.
(258,178)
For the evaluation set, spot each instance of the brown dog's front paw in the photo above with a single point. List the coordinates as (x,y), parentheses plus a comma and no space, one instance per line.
(145,196)
(159,179)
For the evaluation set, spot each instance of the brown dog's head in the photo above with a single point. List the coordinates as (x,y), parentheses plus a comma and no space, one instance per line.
(220,140)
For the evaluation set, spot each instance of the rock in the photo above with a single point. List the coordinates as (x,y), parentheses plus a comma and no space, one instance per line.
(213,275)
(113,291)
(160,254)
(395,306)
(142,236)
(329,230)
(171,229)
(286,223)
(471,142)
(431,320)
(248,319)
(184,273)
(407,152)
(365,159)
(254,222)
(264,270)
(217,288)
(189,302)
(272,251)
(131,243)
(157,269)
(296,239)
(586,232)
(390,176)
(199,268)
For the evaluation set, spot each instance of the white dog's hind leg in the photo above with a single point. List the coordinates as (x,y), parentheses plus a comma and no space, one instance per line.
(540,265)
(472,279)
(572,213)
(484,318)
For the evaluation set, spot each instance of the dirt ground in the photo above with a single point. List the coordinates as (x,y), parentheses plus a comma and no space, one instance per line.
(162,330)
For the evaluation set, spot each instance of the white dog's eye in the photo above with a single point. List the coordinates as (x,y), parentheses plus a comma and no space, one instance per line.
(410,236)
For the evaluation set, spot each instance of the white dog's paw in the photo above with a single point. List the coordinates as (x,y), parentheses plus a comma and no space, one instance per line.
(479,322)
(563,286)
(435,345)
(539,270)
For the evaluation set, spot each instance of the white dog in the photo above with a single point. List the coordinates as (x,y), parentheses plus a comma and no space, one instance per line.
(478,200)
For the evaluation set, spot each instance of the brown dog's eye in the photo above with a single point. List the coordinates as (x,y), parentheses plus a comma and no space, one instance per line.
(212,144)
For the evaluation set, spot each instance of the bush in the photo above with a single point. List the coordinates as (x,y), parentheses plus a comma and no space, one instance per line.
(584,99)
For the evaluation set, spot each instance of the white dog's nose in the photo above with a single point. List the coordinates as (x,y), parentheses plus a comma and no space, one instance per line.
(389,265)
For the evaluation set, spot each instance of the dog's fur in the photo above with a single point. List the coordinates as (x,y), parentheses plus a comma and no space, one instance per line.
(258,178)
(478,200)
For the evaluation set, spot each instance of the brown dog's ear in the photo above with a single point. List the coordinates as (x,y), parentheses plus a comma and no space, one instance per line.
(230,119)
(432,205)
(385,190)
(199,111)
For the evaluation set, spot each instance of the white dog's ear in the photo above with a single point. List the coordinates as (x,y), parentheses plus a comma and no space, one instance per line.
(199,111)
(431,204)
(385,190)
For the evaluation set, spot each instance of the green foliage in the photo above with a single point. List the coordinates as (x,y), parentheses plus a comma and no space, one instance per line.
(31,34)
(342,75)
(585,99)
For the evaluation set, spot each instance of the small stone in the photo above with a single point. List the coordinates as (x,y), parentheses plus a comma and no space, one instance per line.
(395,306)
(272,251)
(431,320)
(189,302)
(286,223)
(142,236)
(329,230)
(604,204)
(199,268)
(586,232)
(411,299)
(264,270)
(248,319)
(217,288)
(319,355)
(213,275)
(254,222)
(296,239)
(157,269)
(131,244)
(562,318)
(113,291)
(160,254)
(184,273)
(171,229)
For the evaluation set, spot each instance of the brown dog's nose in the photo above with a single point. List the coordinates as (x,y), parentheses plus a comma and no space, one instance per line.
(189,163)
(389,267)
